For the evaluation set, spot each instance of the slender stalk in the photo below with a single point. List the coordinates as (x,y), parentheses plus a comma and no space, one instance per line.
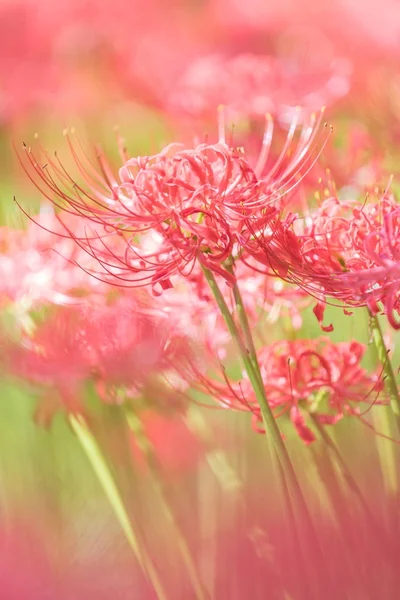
(342,510)
(352,483)
(384,359)
(251,349)
(106,480)
(245,325)
(145,445)
(271,427)
(387,451)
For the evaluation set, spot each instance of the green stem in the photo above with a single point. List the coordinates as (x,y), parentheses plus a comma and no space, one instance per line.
(387,451)
(106,480)
(384,359)
(245,325)
(341,509)
(145,445)
(251,349)
(351,482)
(271,427)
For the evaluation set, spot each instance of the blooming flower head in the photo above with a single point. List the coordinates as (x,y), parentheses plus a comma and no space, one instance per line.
(164,213)
(346,250)
(313,376)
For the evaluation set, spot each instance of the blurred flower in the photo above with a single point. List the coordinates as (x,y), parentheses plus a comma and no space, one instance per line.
(124,348)
(57,58)
(39,265)
(55,357)
(251,85)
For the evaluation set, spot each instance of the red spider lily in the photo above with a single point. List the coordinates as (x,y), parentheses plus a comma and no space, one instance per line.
(122,347)
(163,213)
(252,85)
(346,250)
(305,376)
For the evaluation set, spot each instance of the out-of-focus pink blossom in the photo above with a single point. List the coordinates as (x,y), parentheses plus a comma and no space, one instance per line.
(122,346)
(189,304)
(38,266)
(251,85)
(349,24)
(58,57)
(25,567)
(35,71)
(351,168)
(57,358)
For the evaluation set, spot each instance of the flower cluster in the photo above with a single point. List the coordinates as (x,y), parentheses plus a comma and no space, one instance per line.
(219,241)
(302,378)
(164,213)
(173,222)
(158,299)
(345,250)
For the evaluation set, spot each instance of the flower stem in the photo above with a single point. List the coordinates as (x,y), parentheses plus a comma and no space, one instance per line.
(351,482)
(271,427)
(103,473)
(387,451)
(244,323)
(145,445)
(384,359)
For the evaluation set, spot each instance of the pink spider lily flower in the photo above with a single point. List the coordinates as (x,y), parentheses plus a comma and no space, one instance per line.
(346,250)
(305,376)
(164,213)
